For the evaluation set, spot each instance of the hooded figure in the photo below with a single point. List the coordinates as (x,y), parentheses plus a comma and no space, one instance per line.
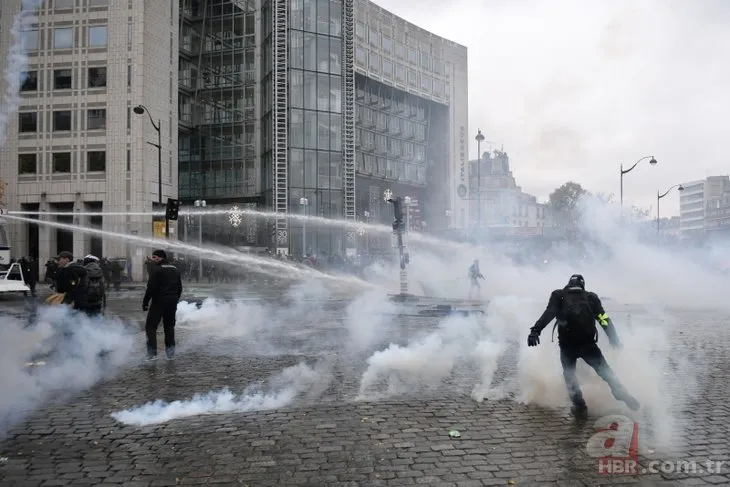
(576,312)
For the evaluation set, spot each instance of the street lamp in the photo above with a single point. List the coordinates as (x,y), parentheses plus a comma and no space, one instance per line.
(652,161)
(304,202)
(659,197)
(200,204)
(387,195)
(479,138)
(139,110)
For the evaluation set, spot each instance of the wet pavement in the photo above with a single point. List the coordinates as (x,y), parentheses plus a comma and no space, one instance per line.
(327,435)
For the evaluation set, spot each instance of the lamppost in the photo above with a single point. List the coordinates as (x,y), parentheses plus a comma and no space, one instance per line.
(652,161)
(304,202)
(479,138)
(366,214)
(407,200)
(659,197)
(139,110)
(200,204)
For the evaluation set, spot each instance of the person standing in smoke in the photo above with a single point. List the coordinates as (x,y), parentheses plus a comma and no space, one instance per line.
(164,289)
(474,275)
(576,311)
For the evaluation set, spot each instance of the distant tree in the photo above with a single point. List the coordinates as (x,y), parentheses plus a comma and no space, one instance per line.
(3,184)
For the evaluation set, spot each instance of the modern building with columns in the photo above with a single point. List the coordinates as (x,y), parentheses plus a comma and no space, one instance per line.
(291,106)
(76,144)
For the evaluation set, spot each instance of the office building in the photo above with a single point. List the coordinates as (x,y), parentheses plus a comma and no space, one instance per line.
(76,145)
(315,106)
(699,205)
(321,111)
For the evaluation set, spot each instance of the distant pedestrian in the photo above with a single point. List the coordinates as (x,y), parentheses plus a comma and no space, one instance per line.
(164,289)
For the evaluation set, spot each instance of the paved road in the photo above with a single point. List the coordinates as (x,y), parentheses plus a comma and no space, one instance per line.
(325,435)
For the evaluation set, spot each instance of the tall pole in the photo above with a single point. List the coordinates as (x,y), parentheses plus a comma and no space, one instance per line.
(659,197)
(622,190)
(652,161)
(479,138)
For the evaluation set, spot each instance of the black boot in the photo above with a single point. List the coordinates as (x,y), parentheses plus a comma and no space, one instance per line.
(579,409)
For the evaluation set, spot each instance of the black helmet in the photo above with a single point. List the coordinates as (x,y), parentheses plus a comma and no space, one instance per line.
(576,280)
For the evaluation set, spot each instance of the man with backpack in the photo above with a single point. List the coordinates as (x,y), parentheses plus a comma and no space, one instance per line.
(92,292)
(576,311)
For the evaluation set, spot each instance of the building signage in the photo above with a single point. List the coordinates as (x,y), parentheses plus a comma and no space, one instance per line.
(461,190)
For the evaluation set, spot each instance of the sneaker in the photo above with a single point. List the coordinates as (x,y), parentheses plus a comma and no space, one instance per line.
(170,352)
(151,358)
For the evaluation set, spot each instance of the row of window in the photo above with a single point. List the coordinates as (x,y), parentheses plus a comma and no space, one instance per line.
(398,72)
(68,4)
(368,141)
(63,38)
(393,124)
(63,79)
(61,162)
(61,121)
(387,168)
(414,56)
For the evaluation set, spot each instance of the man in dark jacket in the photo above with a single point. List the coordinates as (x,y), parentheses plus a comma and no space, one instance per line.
(92,294)
(164,288)
(576,311)
(69,280)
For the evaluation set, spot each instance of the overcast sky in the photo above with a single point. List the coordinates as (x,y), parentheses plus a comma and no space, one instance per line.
(574,88)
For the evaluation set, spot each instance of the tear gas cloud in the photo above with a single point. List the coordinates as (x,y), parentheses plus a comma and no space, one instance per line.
(481,357)
(57,355)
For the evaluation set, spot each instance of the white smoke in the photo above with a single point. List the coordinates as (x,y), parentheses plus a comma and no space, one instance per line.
(281,390)
(61,353)
(17,64)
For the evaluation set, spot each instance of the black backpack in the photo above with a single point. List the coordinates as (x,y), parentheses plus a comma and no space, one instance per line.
(94,284)
(577,316)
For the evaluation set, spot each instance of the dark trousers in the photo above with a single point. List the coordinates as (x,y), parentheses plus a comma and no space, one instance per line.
(164,312)
(592,355)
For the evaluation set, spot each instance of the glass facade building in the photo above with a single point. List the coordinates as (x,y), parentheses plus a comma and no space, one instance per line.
(279,111)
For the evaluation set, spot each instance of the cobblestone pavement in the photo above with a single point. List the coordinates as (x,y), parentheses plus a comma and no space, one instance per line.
(331,438)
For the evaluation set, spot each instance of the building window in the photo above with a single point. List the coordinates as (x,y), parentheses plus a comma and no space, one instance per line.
(63,38)
(62,79)
(27,163)
(29,81)
(361,56)
(374,62)
(97,36)
(387,67)
(61,120)
(96,119)
(97,77)
(98,3)
(412,56)
(59,4)
(62,162)
(30,39)
(27,122)
(387,44)
(96,161)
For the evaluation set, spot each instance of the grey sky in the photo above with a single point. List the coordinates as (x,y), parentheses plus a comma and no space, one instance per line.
(573,88)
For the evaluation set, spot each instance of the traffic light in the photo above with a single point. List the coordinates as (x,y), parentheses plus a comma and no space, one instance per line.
(397,211)
(172,209)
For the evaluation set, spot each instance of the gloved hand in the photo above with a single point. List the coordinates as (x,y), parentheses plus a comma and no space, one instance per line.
(145,307)
(533,339)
